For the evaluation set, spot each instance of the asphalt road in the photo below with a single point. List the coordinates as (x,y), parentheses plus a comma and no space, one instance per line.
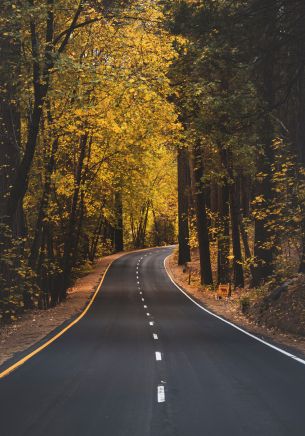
(104,377)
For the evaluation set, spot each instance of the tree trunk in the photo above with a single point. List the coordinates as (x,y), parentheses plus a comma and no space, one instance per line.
(264,242)
(118,231)
(223,243)
(43,205)
(69,240)
(300,145)
(201,218)
(184,255)
(235,218)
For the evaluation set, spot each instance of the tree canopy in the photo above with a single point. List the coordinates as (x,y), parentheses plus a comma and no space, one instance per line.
(127,124)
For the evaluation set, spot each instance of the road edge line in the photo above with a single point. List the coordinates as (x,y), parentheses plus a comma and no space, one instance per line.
(20,362)
(280,350)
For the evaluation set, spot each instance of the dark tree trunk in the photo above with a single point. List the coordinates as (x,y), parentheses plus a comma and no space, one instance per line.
(41,77)
(70,235)
(300,145)
(201,218)
(184,255)
(264,243)
(12,227)
(245,186)
(118,231)
(10,54)
(140,234)
(223,243)
(235,219)
(97,235)
(42,206)
(157,232)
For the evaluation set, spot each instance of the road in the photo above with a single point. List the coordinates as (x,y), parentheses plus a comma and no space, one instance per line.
(146,361)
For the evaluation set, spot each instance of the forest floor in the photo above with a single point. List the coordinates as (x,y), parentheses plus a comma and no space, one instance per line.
(266,317)
(34,325)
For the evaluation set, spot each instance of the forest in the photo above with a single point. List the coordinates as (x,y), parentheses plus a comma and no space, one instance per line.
(131,124)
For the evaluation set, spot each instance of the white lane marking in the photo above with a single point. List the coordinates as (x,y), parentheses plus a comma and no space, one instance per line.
(161,394)
(142,299)
(262,341)
(158,355)
(141,293)
(151,322)
(138,283)
(148,314)
(145,307)
(155,336)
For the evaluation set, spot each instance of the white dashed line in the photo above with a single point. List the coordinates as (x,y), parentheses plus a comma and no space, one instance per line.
(161,394)
(155,336)
(145,307)
(140,292)
(158,355)
(151,323)
(148,314)
(142,299)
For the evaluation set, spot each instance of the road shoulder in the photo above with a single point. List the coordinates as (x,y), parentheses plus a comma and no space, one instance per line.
(36,325)
(230,311)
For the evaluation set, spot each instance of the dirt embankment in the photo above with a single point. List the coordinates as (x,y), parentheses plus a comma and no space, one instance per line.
(34,325)
(284,308)
(279,317)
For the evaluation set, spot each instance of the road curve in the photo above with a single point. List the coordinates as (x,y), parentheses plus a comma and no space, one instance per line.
(146,361)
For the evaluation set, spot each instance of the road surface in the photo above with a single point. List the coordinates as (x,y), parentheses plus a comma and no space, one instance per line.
(146,361)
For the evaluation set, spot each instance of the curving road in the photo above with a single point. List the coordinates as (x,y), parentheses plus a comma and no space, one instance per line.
(146,361)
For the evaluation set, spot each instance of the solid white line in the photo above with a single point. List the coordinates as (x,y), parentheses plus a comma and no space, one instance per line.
(151,323)
(155,336)
(262,341)
(161,394)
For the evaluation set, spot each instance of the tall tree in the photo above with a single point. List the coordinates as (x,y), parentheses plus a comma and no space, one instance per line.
(184,255)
